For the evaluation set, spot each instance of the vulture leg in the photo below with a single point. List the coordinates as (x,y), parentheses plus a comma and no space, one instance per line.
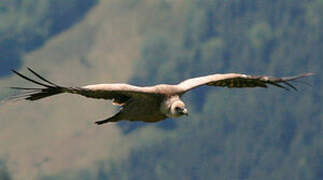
(114,118)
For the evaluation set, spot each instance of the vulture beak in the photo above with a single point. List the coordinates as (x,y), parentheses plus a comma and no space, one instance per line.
(185,112)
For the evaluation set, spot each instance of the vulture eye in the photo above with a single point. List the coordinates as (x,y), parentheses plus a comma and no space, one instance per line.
(178,108)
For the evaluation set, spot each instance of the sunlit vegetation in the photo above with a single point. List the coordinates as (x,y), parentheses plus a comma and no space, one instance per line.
(26,24)
(236,134)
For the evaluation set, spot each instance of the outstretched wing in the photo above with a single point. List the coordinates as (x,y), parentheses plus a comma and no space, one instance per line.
(233,80)
(119,93)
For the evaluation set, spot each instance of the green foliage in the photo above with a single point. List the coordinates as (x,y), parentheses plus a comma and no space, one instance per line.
(231,133)
(26,24)
(260,34)
(237,134)
(4,173)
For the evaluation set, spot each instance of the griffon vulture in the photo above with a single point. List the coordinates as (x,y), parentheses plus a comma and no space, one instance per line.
(151,103)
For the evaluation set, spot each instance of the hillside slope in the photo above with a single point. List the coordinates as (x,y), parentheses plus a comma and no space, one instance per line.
(58,134)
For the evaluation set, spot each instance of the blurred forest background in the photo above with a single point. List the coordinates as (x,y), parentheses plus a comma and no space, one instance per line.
(230,133)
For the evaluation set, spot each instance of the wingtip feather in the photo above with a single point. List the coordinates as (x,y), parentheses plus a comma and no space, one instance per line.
(40,77)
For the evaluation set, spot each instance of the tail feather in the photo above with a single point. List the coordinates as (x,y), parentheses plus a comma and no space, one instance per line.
(37,93)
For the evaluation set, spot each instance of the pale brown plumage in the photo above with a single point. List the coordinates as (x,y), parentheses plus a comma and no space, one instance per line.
(152,103)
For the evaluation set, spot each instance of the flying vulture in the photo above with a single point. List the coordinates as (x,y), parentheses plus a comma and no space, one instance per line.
(150,103)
